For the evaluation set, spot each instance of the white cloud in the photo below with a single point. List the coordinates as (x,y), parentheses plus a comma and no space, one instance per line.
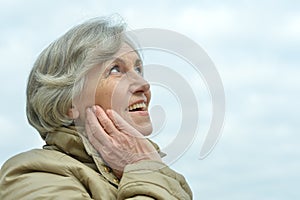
(206,22)
(290,29)
(7,126)
(255,47)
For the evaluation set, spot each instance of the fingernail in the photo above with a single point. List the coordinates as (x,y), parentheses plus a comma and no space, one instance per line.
(94,109)
(109,111)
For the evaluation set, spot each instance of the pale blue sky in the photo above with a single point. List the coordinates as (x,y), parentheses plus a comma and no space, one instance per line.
(254,44)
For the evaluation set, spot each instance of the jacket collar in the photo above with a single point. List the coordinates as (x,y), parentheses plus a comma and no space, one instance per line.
(73,141)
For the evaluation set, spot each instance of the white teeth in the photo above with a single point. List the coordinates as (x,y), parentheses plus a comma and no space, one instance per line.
(137,105)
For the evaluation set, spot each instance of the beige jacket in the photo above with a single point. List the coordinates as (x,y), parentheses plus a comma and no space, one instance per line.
(69,168)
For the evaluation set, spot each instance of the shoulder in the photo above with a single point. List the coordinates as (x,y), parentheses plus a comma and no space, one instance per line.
(43,161)
(32,155)
(41,173)
(37,160)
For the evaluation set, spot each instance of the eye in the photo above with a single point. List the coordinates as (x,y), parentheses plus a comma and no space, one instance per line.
(115,69)
(139,70)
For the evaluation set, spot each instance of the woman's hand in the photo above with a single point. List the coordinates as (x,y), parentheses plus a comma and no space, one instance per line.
(118,142)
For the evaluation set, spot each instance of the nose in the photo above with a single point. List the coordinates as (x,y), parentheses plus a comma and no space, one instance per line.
(137,82)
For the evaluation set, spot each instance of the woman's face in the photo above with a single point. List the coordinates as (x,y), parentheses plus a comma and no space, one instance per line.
(118,84)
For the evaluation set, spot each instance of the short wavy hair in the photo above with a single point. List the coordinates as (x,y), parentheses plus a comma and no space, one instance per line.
(58,73)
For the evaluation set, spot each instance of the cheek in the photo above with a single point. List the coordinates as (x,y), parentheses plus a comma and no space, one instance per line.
(103,95)
(110,95)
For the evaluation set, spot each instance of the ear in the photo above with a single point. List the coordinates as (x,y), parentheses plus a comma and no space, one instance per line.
(73,112)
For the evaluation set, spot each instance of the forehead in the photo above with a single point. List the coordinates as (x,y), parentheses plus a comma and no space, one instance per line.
(127,51)
(126,54)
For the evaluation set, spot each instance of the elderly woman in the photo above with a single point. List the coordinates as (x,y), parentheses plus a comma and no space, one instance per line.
(87,98)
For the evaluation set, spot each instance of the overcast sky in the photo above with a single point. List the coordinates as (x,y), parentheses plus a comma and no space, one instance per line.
(255,46)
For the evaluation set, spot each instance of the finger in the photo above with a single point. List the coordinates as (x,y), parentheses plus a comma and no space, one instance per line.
(122,125)
(104,120)
(102,144)
(93,140)
(94,130)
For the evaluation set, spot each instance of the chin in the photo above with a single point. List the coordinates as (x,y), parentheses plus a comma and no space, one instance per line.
(145,130)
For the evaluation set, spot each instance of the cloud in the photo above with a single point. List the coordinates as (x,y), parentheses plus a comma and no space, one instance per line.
(255,46)
(290,29)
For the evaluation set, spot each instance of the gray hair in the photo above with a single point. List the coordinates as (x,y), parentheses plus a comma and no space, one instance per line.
(58,73)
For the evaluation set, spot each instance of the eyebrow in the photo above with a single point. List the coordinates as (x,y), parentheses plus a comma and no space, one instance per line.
(137,62)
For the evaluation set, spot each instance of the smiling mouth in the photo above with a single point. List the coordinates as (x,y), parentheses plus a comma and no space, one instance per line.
(137,107)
